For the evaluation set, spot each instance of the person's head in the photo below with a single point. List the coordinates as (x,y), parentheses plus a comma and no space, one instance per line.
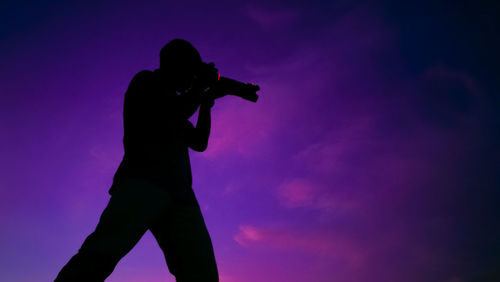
(179,61)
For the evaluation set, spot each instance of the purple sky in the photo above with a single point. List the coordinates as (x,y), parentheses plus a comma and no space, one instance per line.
(371,155)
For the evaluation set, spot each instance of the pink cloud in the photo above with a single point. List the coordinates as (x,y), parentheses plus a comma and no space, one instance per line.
(248,234)
(238,128)
(243,127)
(303,193)
(321,244)
(296,193)
(293,84)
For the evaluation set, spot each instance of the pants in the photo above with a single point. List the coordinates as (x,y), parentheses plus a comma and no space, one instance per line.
(175,221)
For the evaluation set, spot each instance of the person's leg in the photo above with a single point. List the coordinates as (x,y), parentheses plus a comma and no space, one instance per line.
(185,242)
(129,213)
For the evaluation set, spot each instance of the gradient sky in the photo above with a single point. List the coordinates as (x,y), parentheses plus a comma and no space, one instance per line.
(372,154)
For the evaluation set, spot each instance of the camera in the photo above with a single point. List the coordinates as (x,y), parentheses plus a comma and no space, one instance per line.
(221,86)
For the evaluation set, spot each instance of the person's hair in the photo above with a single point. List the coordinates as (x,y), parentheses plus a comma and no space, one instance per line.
(177,53)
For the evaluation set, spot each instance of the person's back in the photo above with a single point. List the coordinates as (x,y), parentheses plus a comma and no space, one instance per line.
(155,135)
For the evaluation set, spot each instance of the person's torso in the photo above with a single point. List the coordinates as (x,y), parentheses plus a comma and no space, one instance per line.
(154,135)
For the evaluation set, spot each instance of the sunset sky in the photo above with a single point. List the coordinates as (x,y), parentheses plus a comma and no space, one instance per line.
(372,154)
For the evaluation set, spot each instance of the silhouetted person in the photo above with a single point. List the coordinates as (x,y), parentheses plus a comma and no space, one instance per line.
(151,189)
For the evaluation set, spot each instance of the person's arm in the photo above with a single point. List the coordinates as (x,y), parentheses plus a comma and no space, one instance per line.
(204,79)
(202,94)
(198,137)
(189,102)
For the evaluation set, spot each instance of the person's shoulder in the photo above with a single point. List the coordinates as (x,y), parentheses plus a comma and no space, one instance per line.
(141,81)
(142,76)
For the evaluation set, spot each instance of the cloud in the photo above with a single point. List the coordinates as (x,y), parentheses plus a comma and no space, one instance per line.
(296,193)
(239,128)
(321,244)
(243,127)
(303,193)
(294,83)
(330,154)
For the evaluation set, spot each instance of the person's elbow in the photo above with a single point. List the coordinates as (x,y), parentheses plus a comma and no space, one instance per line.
(199,146)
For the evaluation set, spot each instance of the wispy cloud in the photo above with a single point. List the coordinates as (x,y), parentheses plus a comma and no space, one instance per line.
(329,245)
(303,193)
(239,129)
(329,154)
(296,193)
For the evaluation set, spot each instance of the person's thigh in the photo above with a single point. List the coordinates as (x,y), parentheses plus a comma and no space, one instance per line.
(129,213)
(184,239)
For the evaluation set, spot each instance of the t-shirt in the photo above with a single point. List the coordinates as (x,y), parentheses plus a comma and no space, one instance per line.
(154,137)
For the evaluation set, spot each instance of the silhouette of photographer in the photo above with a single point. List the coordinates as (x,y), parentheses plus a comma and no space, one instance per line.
(152,189)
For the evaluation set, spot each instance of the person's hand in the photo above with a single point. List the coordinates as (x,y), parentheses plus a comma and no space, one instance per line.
(206,76)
